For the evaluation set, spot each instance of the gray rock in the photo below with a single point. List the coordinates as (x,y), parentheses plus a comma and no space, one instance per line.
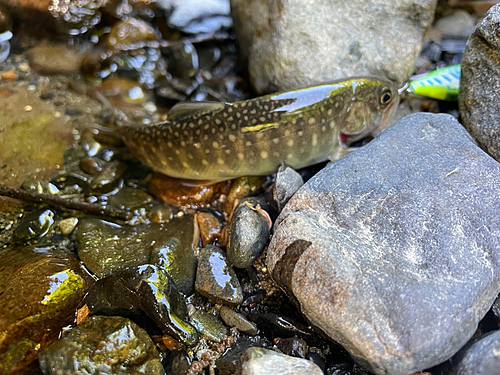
(480,358)
(258,361)
(102,345)
(234,319)
(215,279)
(288,181)
(480,83)
(459,24)
(289,44)
(248,232)
(393,250)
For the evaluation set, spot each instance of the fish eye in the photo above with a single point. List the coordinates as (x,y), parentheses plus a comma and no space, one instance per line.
(386,96)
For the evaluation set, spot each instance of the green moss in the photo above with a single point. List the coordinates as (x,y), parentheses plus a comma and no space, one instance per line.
(16,353)
(63,286)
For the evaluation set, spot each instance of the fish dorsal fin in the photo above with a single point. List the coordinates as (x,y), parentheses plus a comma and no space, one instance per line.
(188,109)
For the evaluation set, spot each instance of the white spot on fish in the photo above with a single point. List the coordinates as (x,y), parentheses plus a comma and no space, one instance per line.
(314,139)
(311,121)
(264,154)
(241,156)
(204,162)
(289,143)
(215,144)
(220,161)
(232,137)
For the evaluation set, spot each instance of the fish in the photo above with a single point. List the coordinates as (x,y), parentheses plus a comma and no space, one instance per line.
(214,141)
(442,84)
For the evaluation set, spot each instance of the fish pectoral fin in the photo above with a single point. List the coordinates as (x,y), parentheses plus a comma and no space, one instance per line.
(342,151)
(183,110)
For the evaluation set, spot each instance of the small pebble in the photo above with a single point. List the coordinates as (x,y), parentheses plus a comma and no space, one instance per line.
(9,75)
(68,225)
(210,228)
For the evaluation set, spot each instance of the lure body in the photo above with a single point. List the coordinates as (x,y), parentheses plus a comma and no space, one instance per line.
(220,141)
(442,84)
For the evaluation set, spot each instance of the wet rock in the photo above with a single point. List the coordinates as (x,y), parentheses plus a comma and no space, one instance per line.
(181,194)
(480,79)
(40,289)
(105,247)
(482,357)
(129,34)
(34,225)
(195,16)
(106,180)
(68,225)
(207,324)
(215,279)
(376,252)
(210,228)
(285,51)
(263,361)
(91,165)
(242,187)
(291,346)
(288,181)
(184,60)
(54,59)
(459,24)
(234,319)
(248,232)
(142,290)
(39,186)
(130,198)
(33,139)
(102,344)
(230,362)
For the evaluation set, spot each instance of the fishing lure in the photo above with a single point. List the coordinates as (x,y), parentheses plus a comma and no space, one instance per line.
(442,84)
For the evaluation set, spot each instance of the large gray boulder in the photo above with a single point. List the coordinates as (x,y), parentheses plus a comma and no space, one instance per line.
(479,98)
(292,43)
(394,250)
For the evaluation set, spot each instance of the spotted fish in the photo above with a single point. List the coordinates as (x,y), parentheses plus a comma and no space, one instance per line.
(220,141)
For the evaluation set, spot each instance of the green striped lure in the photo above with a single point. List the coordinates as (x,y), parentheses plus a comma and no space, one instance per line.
(442,84)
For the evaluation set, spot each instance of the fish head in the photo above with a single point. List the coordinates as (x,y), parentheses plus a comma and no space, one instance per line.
(369,109)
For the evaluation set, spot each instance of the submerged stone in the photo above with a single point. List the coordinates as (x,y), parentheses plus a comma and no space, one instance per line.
(40,289)
(393,250)
(102,345)
(105,247)
(140,290)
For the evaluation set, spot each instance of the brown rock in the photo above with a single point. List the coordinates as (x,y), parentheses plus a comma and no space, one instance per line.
(180,193)
(210,228)
(54,59)
(40,289)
